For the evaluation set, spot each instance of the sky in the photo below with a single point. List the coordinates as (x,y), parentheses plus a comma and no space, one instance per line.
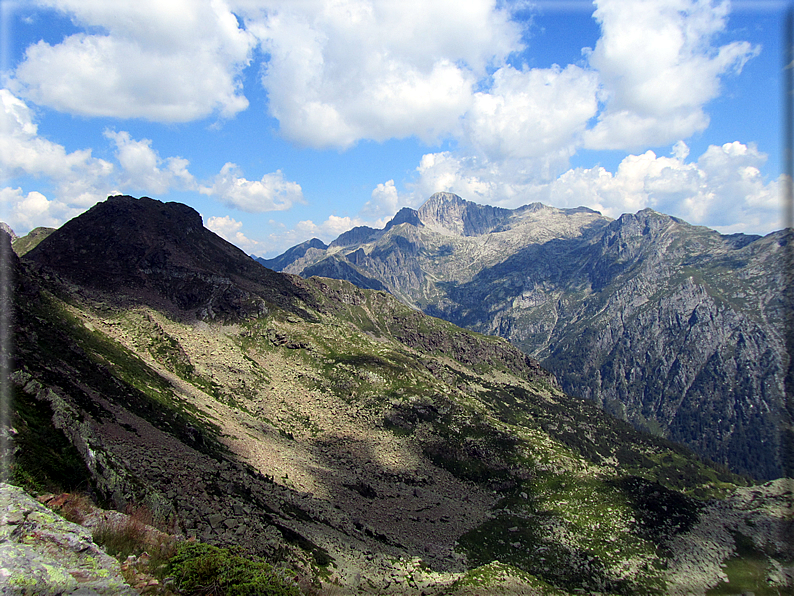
(283,120)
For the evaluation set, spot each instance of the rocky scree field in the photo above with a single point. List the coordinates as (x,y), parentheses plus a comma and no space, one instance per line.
(675,328)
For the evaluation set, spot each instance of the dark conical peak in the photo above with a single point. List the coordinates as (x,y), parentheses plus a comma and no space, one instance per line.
(404,215)
(118,238)
(149,246)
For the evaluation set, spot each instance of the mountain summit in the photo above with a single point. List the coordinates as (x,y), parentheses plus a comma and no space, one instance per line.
(161,253)
(447,212)
(676,328)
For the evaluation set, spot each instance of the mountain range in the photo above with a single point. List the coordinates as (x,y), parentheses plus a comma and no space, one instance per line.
(675,328)
(343,436)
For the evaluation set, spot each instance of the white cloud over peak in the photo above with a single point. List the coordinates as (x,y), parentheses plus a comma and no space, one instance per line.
(385,201)
(79,177)
(326,231)
(229,229)
(144,170)
(658,68)
(24,212)
(723,188)
(271,193)
(350,70)
(172,61)
(533,115)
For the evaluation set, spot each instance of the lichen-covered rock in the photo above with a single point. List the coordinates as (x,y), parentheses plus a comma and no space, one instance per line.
(42,553)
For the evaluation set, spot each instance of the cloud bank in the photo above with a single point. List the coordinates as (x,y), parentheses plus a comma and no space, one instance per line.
(77,180)
(338,72)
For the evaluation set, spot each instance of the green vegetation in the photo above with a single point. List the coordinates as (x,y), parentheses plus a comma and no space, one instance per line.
(749,572)
(104,365)
(488,577)
(43,459)
(199,569)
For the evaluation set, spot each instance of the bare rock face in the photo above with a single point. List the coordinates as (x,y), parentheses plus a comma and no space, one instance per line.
(673,327)
(4,227)
(42,553)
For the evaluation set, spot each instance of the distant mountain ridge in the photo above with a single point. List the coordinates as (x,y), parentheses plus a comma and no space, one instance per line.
(674,327)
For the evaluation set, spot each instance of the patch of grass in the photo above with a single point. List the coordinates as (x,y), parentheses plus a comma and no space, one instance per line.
(200,569)
(495,573)
(747,572)
(132,537)
(106,367)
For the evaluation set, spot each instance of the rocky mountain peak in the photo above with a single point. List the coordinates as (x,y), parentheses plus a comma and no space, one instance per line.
(447,213)
(4,227)
(404,215)
(294,253)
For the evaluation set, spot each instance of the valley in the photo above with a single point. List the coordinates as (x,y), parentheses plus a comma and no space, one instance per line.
(675,328)
(343,435)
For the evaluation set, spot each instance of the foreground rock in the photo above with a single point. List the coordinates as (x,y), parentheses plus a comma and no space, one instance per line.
(42,553)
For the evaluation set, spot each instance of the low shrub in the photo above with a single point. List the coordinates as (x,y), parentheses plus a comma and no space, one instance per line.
(201,569)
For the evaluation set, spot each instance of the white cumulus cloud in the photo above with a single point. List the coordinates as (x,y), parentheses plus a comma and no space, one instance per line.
(230,230)
(658,67)
(271,193)
(723,188)
(326,231)
(385,201)
(79,177)
(532,113)
(171,61)
(144,170)
(347,70)
(24,212)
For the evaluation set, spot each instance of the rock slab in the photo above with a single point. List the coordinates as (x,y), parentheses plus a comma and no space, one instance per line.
(42,553)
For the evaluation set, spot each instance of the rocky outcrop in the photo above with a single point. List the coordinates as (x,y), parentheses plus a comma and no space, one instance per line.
(42,554)
(448,213)
(4,227)
(293,254)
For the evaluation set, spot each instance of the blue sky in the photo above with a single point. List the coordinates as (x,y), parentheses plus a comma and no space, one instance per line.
(282,120)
